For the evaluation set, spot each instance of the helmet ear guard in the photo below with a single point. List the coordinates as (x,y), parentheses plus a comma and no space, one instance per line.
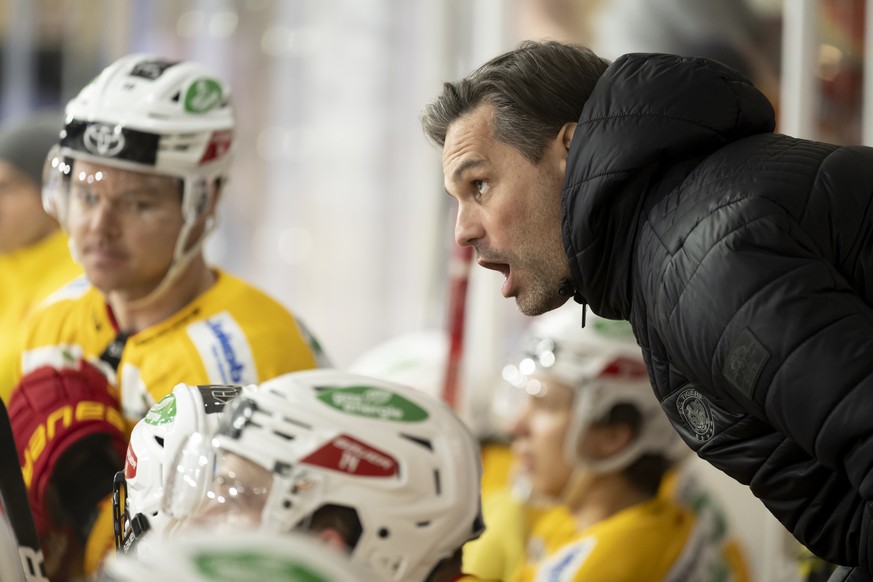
(200,191)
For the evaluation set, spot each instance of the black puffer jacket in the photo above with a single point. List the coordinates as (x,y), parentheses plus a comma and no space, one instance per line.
(744,261)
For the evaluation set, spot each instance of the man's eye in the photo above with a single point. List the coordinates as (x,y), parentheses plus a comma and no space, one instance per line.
(480,186)
(86,196)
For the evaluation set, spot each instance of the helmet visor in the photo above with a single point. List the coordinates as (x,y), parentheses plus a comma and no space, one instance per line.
(222,489)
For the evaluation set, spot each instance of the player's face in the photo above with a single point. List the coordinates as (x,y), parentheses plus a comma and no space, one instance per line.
(123,226)
(22,219)
(539,435)
(509,210)
(236,496)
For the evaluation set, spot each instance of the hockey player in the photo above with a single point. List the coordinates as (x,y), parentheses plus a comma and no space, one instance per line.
(593,445)
(376,468)
(135,180)
(34,257)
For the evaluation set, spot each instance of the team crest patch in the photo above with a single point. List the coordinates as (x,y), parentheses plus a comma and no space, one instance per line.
(696,413)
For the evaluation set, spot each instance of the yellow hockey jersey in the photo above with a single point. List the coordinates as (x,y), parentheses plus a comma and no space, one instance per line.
(641,543)
(28,276)
(711,554)
(231,334)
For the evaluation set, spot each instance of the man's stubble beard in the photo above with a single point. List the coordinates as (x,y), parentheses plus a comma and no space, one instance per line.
(545,263)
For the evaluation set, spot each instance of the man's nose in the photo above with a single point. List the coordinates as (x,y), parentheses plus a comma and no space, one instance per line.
(468,227)
(104,217)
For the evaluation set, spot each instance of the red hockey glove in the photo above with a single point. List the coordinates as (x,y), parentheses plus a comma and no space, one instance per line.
(53,409)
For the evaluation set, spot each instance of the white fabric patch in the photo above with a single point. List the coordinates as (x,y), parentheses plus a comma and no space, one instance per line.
(135,396)
(58,357)
(562,567)
(72,290)
(224,349)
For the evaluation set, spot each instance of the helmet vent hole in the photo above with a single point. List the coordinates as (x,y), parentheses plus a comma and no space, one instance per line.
(175,98)
(160,441)
(422,523)
(383,532)
(302,425)
(287,437)
(419,441)
(287,504)
(436,482)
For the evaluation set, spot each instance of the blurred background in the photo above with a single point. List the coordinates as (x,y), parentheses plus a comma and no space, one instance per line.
(336,205)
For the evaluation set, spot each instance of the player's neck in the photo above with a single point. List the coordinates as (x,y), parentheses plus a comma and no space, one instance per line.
(132,316)
(604,496)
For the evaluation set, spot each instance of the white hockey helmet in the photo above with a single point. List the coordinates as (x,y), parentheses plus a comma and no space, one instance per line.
(153,444)
(402,463)
(148,114)
(604,365)
(236,557)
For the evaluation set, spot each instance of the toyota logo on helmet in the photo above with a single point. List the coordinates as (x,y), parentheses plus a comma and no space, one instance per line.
(104,140)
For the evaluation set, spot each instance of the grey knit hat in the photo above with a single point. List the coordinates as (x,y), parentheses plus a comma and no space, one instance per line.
(25,143)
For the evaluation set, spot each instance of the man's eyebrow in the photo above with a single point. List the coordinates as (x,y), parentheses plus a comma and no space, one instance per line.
(466,165)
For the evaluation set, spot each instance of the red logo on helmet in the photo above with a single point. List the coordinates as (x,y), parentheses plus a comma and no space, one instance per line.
(348,455)
(130,463)
(622,368)
(218,145)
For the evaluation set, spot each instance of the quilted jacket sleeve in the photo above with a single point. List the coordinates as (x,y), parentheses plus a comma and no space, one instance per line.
(768,309)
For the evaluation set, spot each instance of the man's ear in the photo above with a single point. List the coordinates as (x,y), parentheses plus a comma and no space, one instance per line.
(616,438)
(604,441)
(562,143)
(332,538)
(566,134)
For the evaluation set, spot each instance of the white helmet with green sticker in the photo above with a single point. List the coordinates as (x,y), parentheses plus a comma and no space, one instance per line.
(151,115)
(147,114)
(397,468)
(153,443)
(237,557)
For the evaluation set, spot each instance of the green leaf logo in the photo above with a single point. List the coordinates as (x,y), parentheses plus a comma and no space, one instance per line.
(372,402)
(253,566)
(163,412)
(203,95)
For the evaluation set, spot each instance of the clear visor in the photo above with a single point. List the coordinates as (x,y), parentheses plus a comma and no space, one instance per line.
(521,379)
(73,177)
(212,488)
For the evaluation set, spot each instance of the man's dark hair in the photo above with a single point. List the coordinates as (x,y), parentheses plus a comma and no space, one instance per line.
(340,518)
(535,89)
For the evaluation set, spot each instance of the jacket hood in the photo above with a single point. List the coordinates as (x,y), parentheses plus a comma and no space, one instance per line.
(647,113)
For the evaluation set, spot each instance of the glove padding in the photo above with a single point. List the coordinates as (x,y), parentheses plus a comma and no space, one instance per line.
(51,410)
